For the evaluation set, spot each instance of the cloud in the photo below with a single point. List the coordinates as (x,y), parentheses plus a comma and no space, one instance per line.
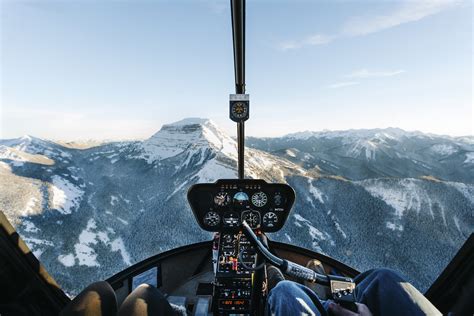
(342,84)
(364,74)
(313,40)
(408,11)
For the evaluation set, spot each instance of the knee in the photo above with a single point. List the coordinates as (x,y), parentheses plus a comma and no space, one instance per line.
(384,274)
(96,299)
(284,288)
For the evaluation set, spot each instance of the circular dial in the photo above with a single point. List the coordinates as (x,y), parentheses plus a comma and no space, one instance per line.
(231,219)
(212,219)
(278,199)
(222,199)
(239,110)
(252,218)
(241,198)
(259,199)
(270,219)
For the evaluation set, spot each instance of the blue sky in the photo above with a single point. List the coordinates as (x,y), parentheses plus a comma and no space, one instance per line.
(120,69)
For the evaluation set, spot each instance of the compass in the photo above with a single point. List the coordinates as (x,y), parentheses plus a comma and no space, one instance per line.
(239,108)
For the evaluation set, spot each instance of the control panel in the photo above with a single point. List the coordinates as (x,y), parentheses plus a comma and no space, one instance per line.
(223,206)
(236,260)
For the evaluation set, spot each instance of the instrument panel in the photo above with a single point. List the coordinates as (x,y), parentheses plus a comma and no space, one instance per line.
(225,204)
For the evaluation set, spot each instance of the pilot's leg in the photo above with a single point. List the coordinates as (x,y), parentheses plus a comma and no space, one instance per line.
(291,298)
(385,292)
(145,300)
(96,299)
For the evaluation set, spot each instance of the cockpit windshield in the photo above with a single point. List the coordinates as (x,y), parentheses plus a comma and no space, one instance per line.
(112,111)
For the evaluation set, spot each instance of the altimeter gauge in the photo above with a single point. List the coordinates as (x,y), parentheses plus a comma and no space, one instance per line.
(259,199)
(270,219)
(212,219)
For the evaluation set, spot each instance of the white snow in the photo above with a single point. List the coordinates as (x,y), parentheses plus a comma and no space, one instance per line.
(466,189)
(318,195)
(315,233)
(30,227)
(118,245)
(122,220)
(290,153)
(443,149)
(394,226)
(456,222)
(67,260)
(37,245)
(469,157)
(113,200)
(84,252)
(32,207)
(402,196)
(65,196)
(214,170)
(191,135)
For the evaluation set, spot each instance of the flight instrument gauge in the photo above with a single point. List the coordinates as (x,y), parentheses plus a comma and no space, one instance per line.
(239,110)
(259,199)
(239,107)
(212,219)
(252,218)
(241,198)
(222,199)
(231,219)
(270,219)
(278,199)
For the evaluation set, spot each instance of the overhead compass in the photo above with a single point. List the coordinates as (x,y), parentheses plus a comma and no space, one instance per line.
(239,107)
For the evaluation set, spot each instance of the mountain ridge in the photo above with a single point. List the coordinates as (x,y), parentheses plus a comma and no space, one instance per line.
(88,213)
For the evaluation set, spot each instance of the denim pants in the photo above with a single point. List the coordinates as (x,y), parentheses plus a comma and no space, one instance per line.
(383,291)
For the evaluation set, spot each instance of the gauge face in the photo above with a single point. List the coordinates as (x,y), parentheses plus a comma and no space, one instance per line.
(212,219)
(239,110)
(241,198)
(222,199)
(259,199)
(270,219)
(252,218)
(231,219)
(278,199)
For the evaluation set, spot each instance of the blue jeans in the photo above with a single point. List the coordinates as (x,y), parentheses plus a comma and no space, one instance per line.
(383,291)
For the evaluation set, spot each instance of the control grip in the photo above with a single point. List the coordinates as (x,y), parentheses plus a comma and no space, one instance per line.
(299,272)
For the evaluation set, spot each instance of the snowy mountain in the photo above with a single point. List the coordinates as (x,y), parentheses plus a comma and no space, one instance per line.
(362,154)
(89,212)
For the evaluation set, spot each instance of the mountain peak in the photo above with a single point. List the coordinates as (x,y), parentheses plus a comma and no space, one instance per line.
(192,121)
(190,133)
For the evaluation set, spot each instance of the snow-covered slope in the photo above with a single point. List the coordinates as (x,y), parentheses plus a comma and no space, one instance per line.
(88,213)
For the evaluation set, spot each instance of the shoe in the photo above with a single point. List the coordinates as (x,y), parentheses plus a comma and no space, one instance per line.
(322,291)
(274,276)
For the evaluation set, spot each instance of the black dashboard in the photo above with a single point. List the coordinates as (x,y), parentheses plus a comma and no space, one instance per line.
(223,206)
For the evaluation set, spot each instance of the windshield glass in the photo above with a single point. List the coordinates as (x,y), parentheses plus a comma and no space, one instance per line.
(364,108)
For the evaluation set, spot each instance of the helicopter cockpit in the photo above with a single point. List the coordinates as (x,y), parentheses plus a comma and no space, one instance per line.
(229,274)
